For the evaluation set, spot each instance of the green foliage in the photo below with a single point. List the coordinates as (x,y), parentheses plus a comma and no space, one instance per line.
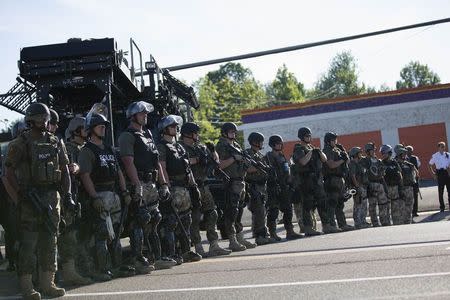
(341,79)
(415,74)
(285,88)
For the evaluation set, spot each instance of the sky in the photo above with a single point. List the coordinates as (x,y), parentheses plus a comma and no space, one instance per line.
(179,31)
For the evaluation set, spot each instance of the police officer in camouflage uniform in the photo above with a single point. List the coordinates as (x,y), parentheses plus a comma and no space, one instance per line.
(36,166)
(409,174)
(140,159)
(394,182)
(205,207)
(280,189)
(233,165)
(176,212)
(334,173)
(309,162)
(67,240)
(101,175)
(359,181)
(376,188)
(257,189)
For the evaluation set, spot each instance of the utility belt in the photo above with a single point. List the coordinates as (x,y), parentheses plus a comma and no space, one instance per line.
(257,182)
(147,177)
(41,187)
(329,176)
(105,187)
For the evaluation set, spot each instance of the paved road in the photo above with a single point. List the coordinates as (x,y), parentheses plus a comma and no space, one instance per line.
(409,261)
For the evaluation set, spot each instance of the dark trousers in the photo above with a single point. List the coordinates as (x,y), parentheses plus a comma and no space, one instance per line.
(443,181)
(416,199)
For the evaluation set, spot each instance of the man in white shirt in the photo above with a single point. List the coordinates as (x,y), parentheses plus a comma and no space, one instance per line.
(439,167)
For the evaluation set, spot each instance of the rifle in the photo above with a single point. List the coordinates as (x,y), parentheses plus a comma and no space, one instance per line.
(42,210)
(205,155)
(123,217)
(262,167)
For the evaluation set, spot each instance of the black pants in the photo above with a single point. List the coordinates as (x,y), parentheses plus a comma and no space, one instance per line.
(443,181)
(416,199)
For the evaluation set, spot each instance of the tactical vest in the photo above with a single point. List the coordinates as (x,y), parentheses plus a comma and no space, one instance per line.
(408,173)
(146,154)
(314,164)
(280,164)
(200,171)
(176,159)
(43,160)
(327,171)
(73,151)
(256,177)
(392,175)
(104,171)
(375,170)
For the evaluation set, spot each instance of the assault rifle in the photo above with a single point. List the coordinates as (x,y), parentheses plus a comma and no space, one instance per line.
(42,210)
(262,167)
(205,156)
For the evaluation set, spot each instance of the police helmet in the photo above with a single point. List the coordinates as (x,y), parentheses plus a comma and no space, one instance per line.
(17,128)
(96,119)
(386,149)
(54,117)
(354,151)
(137,107)
(76,123)
(255,137)
(228,126)
(37,112)
(275,139)
(302,132)
(330,136)
(409,148)
(369,146)
(169,120)
(189,128)
(399,148)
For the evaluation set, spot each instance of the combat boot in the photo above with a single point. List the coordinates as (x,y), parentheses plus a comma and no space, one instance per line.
(235,246)
(26,288)
(164,263)
(142,265)
(310,231)
(262,240)
(199,249)
(216,250)
(48,287)
(243,241)
(327,228)
(70,275)
(347,227)
(273,234)
(292,235)
(191,256)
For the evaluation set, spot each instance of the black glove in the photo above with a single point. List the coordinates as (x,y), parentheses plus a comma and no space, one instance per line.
(344,156)
(196,196)
(69,204)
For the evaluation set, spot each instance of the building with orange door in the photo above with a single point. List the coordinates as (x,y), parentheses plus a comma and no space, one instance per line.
(419,117)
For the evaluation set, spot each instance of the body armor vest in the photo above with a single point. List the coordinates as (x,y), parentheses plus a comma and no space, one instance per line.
(393,175)
(408,173)
(176,160)
(314,165)
(105,169)
(145,153)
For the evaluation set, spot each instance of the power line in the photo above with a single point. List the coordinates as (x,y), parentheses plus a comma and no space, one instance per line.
(299,47)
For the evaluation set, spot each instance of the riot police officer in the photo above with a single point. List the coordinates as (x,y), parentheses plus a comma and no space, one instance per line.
(280,189)
(67,240)
(101,175)
(176,211)
(359,179)
(335,171)
(376,190)
(309,162)
(394,181)
(205,206)
(409,174)
(140,159)
(234,166)
(36,165)
(256,180)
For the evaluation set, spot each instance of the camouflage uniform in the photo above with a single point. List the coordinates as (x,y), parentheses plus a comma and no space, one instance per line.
(376,191)
(407,190)
(360,198)
(394,182)
(37,161)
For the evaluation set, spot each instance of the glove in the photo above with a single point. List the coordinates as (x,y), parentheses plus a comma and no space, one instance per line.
(344,156)
(238,157)
(69,204)
(196,196)
(164,192)
(126,197)
(97,204)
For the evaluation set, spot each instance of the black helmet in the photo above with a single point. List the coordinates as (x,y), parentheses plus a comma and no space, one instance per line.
(354,151)
(304,131)
(386,149)
(329,136)
(255,137)
(369,146)
(54,117)
(189,128)
(275,139)
(228,126)
(399,148)
(37,112)
(96,119)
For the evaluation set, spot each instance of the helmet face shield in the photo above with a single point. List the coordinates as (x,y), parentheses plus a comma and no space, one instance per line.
(169,121)
(138,107)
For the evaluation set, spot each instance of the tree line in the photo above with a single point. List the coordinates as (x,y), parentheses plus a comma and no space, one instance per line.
(223,93)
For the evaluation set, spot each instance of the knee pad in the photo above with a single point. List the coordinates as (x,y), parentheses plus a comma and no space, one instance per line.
(211,216)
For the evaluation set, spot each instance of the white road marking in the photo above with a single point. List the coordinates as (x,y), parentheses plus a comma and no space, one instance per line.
(264,285)
(325,252)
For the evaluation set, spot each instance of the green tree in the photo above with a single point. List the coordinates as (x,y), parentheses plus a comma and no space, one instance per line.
(285,88)
(341,79)
(415,74)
